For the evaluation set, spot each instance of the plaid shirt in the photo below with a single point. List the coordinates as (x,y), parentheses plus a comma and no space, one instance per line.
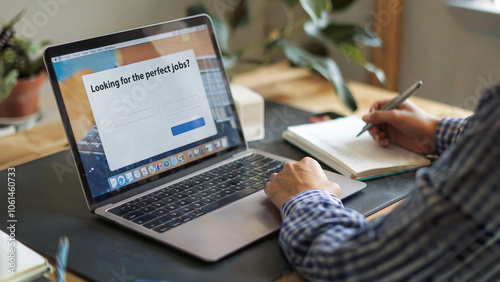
(447,229)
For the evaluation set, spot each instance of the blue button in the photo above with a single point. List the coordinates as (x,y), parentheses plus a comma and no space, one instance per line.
(188,126)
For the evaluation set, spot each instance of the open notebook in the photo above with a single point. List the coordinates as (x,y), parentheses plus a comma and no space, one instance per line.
(334,143)
(21,263)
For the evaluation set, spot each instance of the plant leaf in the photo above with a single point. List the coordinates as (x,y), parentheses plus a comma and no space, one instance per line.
(223,34)
(345,38)
(367,38)
(220,26)
(7,83)
(229,60)
(323,65)
(197,9)
(352,52)
(316,48)
(340,4)
(378,72)
(290,4)
(15,19)
(337,33)
(318,10)
(239,15)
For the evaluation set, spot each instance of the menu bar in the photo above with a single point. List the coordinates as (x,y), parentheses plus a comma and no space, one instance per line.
(130,43)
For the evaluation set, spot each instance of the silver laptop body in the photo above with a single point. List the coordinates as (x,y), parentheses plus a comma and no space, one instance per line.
(149,109)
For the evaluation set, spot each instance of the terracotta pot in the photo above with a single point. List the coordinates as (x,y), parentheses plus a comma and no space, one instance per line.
(23,100)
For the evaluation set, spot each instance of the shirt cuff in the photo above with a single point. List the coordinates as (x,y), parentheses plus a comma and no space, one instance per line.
(308,196)
(447,131)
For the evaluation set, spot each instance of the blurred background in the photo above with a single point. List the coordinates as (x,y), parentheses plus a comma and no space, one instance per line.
(455,51)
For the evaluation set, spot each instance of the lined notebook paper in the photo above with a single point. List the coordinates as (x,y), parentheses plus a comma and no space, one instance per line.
(334,143)
(28,264)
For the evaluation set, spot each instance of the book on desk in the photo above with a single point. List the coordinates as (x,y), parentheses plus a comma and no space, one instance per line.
(334,143)
(22,263)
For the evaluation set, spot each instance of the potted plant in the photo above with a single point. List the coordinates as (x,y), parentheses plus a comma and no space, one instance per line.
(22,72)
(316,28)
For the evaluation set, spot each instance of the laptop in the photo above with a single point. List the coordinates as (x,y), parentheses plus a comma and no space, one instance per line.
(157,142)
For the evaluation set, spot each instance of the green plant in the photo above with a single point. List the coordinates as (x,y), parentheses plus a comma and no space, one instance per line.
(19,57)
(322,34)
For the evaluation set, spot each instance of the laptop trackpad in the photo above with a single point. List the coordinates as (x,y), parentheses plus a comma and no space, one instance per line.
(256,212)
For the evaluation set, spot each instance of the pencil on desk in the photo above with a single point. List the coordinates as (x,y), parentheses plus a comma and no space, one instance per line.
(61,258)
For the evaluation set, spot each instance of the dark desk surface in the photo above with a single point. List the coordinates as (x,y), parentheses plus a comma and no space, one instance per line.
(49,203)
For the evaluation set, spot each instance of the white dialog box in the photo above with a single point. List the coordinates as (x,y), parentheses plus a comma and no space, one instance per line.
(150,107)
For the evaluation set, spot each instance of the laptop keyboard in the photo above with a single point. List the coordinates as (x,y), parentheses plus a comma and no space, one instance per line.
(184,201)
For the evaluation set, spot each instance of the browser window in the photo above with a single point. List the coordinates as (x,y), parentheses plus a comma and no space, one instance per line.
(151,118)
(147,108)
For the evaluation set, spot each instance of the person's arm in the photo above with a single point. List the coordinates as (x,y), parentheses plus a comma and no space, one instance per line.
(447,132)
(447,228)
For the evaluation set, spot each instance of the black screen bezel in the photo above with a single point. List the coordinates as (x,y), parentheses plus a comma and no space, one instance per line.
(119,37)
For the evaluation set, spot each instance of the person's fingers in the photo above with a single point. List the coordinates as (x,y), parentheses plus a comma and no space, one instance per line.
(407,104)
(379,104)
(367,118)
(267,187)
(312,163)
(287,167)
(380,117)
(383,135)
(384,142)
(272,177)
(374,132)
(308,160)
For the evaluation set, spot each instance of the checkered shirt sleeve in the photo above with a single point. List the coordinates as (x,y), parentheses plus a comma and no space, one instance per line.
(447,228)
(447,132)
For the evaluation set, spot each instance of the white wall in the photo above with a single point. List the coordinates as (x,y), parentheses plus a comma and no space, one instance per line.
(68,20)
(453,62)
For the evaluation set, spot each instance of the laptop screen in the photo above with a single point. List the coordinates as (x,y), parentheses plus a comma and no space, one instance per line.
(144,104)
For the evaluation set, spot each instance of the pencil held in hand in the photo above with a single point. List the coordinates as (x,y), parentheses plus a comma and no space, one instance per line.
(395,102)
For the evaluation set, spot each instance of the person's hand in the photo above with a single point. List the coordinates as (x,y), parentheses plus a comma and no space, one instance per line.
(407,126)
(298,177)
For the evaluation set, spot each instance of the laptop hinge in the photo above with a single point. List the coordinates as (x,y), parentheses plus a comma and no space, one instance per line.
(242,154)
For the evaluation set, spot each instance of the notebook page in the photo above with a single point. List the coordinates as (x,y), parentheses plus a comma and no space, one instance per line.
(338,139)
(26,262)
